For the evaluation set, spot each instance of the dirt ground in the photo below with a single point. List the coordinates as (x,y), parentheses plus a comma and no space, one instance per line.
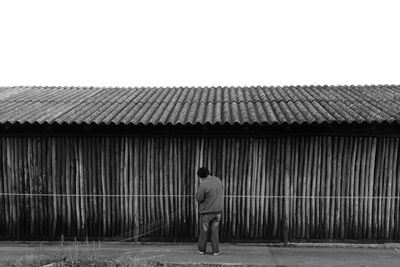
(231,254)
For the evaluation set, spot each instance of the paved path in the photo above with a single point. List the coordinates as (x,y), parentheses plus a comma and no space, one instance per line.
(231,255)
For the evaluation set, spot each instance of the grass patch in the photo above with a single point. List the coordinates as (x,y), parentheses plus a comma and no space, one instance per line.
(70,261)
(74,256)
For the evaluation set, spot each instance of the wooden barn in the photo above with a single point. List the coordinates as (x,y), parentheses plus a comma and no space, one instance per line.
(297,162)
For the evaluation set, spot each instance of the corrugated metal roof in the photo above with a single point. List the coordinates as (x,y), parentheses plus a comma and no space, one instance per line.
(184,105)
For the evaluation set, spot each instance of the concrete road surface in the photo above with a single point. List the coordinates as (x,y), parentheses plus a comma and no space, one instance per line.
(231,254)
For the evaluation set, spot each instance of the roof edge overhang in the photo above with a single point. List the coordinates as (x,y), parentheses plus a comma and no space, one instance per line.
(208,129)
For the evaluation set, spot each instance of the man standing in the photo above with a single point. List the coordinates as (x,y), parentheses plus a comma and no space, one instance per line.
(210,197)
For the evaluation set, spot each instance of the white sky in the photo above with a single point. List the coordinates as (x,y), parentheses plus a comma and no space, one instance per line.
(199,43)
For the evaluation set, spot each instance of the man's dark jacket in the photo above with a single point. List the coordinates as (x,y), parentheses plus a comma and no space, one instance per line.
(210,195)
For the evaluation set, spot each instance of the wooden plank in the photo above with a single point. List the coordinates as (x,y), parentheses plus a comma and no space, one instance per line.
(397,193)
(366,187)
(318,185)
(151,178)
(258,190)
(305,190)
(385,210)
(82,186)
(164,186)
(255,189)
(54,184)
(10,182)
(63,186)
(41,208)
(339,192)
(77,189)
(252,182)
(58,229)
(338,141)
(247,186)
(4,220)
(223,156)
(36,227)
(126,187)
(49,188)
(344,189)
(15,171)
(88,185)
(113,187)
(91,184)
(371,166)
(313,182)
(262,208)
(293,187)
(268,186)
(2,191)
(308,188)
(120,186)
(118,192)
(357,191)
(395,183)
(281,192)
(11,186)
(136,163)
(103,185)
(161,185)
(14,183)
(351,193)
(361,186)
(377,187)
(6,188)
(20,186)
(393,211)
(192,181)
(389,214)
(114,183)
(328,186)
(26,186)
(175,182)
(286,192)
(96,177)
(130,189)
(46,174)
(156,186)
(235,188)
(299,191)
(334,181)
(72,180)
(172,200)
(179,189)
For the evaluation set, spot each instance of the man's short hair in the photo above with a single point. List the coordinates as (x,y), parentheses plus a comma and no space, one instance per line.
(203,172)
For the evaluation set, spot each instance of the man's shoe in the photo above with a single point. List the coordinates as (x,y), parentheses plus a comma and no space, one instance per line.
(200,252)
(216,253)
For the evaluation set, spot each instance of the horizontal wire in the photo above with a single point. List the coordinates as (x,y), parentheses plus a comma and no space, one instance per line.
(226,196)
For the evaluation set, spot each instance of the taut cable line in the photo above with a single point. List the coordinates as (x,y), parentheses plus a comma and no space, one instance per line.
(225,196)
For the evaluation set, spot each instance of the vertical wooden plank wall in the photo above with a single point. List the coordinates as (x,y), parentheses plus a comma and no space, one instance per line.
(138,188)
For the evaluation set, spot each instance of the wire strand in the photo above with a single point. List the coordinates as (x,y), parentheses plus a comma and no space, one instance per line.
(226,196)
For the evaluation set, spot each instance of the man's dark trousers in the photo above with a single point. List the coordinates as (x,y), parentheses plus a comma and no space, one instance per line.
(209,222)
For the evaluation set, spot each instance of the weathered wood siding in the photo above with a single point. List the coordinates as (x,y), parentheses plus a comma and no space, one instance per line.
(133,188)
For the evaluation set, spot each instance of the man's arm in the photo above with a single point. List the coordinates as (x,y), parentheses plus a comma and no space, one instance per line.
(200,193)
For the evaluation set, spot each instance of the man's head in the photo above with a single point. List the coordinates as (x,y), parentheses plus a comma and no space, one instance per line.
(203,172)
